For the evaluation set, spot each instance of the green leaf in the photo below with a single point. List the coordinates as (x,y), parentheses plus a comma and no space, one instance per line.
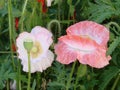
(2,84)
(113,45)
(107,76)
(56,84)
(57,2)
(82,87)
(101,10)
(16,12)
(82,70)
(34,85)
(6,73)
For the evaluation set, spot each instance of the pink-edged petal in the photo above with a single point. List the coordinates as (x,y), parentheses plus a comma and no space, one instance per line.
(96,58)
(40,64)
(65,54)
(43,36)
(38,29)
(97,32)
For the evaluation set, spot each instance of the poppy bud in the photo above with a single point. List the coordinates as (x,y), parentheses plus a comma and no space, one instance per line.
(28,44)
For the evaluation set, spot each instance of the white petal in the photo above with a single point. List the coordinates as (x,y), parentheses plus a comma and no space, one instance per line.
(49,3)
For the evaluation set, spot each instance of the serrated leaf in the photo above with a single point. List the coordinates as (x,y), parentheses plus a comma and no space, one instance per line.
(107,76)
(56,84)
(2,85)
(12,75)
(113,45)
(6,73)
(102,10)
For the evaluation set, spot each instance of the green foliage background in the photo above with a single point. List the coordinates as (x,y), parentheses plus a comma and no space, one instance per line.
(58,17)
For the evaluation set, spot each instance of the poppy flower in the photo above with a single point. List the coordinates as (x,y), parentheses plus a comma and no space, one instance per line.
(44,7)
(40,55)
(16,23)
(85,41)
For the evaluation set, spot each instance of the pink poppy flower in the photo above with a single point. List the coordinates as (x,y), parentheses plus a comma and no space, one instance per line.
(85,41)
(41,58)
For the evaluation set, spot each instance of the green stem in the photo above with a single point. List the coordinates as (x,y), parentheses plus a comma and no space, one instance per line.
(19,76)
(59,4)
(8,85)
(38,80)
(116,25)
(59,30)
(82,70)
(92,77)
(76,82)
(56,22)
(29,71)
(69,80)
(115,83)
(23,14)
(6,52)
(10,29)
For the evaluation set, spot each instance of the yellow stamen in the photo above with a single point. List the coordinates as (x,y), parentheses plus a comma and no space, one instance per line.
(36,50)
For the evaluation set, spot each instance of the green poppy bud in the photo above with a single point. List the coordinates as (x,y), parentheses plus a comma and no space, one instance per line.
(28,44)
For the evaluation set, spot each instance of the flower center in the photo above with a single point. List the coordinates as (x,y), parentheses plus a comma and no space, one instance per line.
(36,50)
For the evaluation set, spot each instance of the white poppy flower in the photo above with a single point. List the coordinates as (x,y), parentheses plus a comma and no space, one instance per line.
(40,57)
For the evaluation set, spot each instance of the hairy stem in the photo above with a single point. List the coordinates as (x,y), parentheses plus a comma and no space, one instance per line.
(70,78)
(115,83)
(10,29)
(116,25)
(22,16)
(29,71)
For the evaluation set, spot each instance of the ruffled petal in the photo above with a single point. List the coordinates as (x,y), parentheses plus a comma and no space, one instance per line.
(46,61)
(97,32)
(43,36)
(83,44)
(97,58)
(38,29)
(39,65)
(86,50)
(65,54)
